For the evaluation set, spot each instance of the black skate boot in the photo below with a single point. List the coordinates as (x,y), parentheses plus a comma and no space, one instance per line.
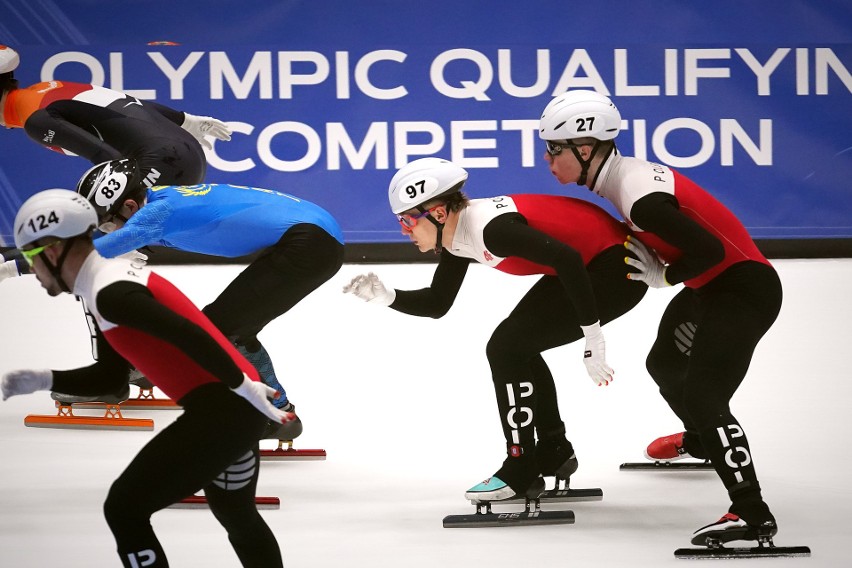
(732,527)
(555,456)
(65,399)
(286,432)
(136,378)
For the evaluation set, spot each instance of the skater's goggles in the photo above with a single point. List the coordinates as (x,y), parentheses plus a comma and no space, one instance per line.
(30,254)
(555,147)
(409,221)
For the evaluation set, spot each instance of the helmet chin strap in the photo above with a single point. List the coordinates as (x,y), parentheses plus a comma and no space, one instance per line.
(439,226)
(584,164)
(56,269)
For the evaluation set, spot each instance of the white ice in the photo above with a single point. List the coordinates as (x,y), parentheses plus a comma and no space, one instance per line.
(405,408)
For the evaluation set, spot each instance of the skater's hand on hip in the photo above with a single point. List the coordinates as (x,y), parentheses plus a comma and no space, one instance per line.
(258,394)
(651,271)
(201,126)
(594,355)
(25,381)
(369,288)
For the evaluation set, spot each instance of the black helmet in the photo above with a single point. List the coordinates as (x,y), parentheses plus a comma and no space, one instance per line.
(107,185)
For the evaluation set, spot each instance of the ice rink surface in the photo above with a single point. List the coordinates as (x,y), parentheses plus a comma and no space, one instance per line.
(405,408)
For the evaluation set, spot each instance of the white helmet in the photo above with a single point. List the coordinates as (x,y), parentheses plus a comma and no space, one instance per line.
(57,213)
(423,180)
(9,59)
(579,114)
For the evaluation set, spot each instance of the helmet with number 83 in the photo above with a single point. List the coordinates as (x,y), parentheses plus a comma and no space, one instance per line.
(107,185)
(422,181)
(580,114)
(58,213)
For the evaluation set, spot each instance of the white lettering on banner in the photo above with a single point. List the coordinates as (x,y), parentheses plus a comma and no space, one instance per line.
(176,76)
(299,72)
(424,138)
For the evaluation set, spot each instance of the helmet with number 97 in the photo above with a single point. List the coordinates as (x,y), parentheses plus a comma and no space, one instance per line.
(424,180)
(579,114)
(58,213)
(108,184)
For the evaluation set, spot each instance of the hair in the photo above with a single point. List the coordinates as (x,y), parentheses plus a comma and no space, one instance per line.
(455,199)
(8,82)
(137,194)
(604,144)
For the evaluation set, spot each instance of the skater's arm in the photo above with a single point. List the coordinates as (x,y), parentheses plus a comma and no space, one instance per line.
(132,305)
(436,300)
(659,213)
(107,376)
(67,134)
(510,235)
(173,115)
(146,227)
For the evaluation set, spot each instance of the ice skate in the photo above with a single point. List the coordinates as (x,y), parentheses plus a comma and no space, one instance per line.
(111,420)
(495,491)
(666,453)
(284,434)
(555,457)
(145,399)
(731,528)
(516,481)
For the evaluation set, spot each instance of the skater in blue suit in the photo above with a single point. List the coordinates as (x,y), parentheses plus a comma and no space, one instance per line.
(296,246)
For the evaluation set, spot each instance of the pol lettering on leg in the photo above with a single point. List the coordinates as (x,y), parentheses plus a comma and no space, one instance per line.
(142,558)
(526,390)
(736,432)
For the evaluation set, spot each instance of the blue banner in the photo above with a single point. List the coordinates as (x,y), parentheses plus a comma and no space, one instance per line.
(327,99)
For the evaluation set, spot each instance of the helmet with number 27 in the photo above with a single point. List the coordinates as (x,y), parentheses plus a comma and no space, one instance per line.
(580,114)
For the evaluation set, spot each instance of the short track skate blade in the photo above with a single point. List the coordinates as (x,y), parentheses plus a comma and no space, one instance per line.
(562,496)
(88,422)
(667,466)
(291,455)
(200,502)
(476,520)
(741,552)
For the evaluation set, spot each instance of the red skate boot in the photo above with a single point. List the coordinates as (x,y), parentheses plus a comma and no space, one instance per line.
(667,449)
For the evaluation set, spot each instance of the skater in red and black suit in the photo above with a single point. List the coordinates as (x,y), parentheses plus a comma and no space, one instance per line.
(709,331)
(213,445)
(575,246)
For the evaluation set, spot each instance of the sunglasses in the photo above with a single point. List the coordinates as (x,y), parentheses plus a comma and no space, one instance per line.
(30,254)
(555,147)
(409,221)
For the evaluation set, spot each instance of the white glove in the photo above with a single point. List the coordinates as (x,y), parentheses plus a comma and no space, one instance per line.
(369,288)
(594,355)
(8,269)
(25,381)
(258,394)
(651,270)
(135,256)
(201,126)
